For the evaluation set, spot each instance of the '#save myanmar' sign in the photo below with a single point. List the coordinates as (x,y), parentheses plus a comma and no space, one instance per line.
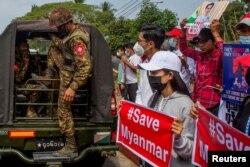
(146,132)
(213,134)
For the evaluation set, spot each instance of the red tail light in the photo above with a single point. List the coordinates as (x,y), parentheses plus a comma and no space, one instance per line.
(113,105)
(22,134)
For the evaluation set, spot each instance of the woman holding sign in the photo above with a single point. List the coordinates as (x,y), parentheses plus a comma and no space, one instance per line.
(172,97)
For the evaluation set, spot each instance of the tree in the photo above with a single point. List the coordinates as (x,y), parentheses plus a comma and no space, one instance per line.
(82,13)
(116,31)
(107,7)
(79,1)
(230,18)
(150,13)
(121,31)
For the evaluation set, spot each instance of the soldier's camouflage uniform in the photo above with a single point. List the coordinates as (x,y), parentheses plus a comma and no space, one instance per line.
(73,68)
(21,76)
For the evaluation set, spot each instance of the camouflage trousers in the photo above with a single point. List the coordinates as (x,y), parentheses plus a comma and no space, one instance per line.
(65,116)
(34,96)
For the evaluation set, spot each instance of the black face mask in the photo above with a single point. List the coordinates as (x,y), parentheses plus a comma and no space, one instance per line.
(155,83)
(62,31)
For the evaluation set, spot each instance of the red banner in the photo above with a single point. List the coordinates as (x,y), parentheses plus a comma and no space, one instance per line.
(146,132)
(213,134)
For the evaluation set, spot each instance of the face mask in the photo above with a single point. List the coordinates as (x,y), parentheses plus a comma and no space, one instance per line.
(144,50)
(118,54)
(62,31)
(245,39)
(172,43)
(139,51)
(126,53)
(155,83)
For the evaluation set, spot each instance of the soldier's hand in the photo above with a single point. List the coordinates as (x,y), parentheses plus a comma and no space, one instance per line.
(26,59)
(69,95)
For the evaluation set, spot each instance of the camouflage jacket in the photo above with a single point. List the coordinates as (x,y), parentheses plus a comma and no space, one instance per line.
(22,72)
(70,57)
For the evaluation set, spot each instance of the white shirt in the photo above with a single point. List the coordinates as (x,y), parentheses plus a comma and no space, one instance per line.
(144,91)
(187,73)
(130,74)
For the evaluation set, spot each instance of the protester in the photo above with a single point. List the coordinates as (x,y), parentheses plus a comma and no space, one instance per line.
(121,72)
(150,39)
(115,67)
(131,71)
(242,120)
(188,64)
(243,29)
(115,63)
(138,50)
(208,64)
(172,98)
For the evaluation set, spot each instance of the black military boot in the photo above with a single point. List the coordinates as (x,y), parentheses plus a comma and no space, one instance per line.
(69,149)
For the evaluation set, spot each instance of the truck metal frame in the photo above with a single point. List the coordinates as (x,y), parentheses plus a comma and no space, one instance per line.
(33,139)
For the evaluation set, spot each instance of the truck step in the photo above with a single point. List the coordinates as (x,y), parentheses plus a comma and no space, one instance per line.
(49,156)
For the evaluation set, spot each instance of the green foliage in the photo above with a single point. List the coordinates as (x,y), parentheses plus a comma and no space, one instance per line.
(79,1)
(107,7)
(81,12)
(116,31)
(230,18)
(150,13)
(121,31)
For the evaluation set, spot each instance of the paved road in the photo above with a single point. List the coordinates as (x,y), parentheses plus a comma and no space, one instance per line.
(119,161)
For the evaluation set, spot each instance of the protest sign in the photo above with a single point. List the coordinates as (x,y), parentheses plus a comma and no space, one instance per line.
(203,16)
(213,134)
(236,60)
(146,133)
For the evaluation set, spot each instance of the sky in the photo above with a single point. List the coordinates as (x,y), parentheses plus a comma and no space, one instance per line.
(10,9)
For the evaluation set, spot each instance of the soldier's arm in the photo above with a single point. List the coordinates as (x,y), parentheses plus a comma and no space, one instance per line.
(82,62)
(50,71)
(21,73)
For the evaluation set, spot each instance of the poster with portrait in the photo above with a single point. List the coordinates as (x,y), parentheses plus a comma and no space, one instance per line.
(203,16)
(236,60)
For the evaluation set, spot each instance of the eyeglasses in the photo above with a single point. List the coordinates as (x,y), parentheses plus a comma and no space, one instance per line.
(141,40)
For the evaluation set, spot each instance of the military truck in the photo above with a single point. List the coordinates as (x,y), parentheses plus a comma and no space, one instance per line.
(32,140)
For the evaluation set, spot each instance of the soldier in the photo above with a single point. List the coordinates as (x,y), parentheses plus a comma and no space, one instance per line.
(70,58)
(22,63)
(23,69)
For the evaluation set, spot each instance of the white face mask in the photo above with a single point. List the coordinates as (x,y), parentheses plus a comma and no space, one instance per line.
(126,53)
(245,39)
(118,54)
(138,49)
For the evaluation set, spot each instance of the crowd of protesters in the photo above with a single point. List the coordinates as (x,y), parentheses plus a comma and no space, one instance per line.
(162,79)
